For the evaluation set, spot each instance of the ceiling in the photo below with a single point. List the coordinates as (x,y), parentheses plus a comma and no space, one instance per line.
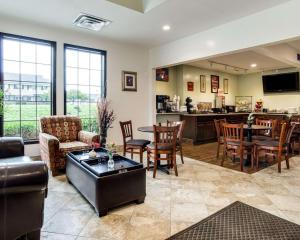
(238,62)
(295,44)
(185,17)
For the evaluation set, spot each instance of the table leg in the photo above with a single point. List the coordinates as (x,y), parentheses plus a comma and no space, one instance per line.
(249,139)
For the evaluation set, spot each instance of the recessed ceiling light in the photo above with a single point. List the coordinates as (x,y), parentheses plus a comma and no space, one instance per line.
(253,65)
(166,27)
(210,43)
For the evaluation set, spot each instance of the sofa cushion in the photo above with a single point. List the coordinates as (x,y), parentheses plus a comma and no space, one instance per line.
(72,146)
(65,128)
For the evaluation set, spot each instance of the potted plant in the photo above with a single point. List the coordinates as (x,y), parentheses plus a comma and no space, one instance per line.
(106,117)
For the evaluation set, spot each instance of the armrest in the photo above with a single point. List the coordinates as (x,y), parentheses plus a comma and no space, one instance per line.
(88,137)
(11,147)
(23,177)
(49,143)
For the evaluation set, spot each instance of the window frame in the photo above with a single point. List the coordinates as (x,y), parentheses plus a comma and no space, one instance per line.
(86,49)
(53,46)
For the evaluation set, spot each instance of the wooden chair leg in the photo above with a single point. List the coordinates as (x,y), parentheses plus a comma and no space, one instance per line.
(124,150)
(242,160)
(174,163)
(279,162)
(141,154)
(223,157)
(257,158)
(155,166)
(287,159)
(181,154)
(218,150)
(131,153)
(252,158)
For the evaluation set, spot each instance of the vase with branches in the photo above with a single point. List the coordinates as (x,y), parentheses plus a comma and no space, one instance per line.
(106,117)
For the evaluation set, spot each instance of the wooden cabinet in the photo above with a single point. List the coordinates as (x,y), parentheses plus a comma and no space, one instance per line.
(201,129)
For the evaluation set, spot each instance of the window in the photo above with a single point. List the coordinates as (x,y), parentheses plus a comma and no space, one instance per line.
(85,83)
(26,64)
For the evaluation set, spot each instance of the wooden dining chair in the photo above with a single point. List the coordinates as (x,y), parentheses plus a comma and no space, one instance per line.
(130,145)
(181,125)
(234,144)
(220,134)
(275,148)
(269,134)
(164,144)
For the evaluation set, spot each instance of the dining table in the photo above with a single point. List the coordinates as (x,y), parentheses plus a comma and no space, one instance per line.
(161,167)
(250,129)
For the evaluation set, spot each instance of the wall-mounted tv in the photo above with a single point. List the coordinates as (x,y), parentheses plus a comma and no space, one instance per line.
(284,82)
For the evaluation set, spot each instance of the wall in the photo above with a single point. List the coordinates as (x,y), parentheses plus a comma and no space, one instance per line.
(168,88)
(251,85)
(119,57)
(185,73)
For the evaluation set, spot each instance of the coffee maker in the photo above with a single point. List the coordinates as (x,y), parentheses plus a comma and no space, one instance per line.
(161,103)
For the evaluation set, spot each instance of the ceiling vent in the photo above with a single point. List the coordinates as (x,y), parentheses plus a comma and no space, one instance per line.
(90,22)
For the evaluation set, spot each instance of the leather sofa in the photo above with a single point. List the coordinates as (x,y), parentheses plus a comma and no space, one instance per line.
(60,135)
(23,188)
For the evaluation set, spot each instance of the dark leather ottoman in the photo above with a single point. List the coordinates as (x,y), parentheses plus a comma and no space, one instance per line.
(110,189)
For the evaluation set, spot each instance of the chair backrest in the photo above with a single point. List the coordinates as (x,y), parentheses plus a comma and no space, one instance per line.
(181,125)
(290,131)
(126,128)
(283,134)
(233,133)
(272,123)
(219,127)
(165,136)
(65,128)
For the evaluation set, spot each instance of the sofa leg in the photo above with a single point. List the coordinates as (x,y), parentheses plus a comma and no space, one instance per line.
(35,235)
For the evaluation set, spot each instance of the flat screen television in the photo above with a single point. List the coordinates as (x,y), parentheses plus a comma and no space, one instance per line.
(284,82)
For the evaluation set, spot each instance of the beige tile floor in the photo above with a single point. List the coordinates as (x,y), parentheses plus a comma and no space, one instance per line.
(172,203)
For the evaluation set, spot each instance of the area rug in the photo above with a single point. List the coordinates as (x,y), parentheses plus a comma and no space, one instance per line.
(207,153)
(240,221)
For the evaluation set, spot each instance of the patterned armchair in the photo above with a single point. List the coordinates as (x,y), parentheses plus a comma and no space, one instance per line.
(62,134)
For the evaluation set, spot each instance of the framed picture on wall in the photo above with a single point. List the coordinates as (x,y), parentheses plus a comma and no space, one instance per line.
(214,80)
(162,74)
(225,85)
(190,86)
(202,83)
(129,81)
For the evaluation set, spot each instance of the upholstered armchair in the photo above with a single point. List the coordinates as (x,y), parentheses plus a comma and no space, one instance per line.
(60,135)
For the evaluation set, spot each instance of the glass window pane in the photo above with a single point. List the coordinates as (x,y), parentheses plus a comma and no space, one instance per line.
(11,49)
(28,130)
(95,78)
(84,59)
(72,93)
(72,75)
(11,90)
(83,93)
(84,110)
(72,108)
(95,61)
(85,124)
(83,77)
(11,70)
(28,91)
(43,54)
(94,125)
(43,109)
(43,73)
(43,92)
(11,129)
(95,94)
(28,52)
(11,110)
(71,58)
(28,111)
(28,72)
